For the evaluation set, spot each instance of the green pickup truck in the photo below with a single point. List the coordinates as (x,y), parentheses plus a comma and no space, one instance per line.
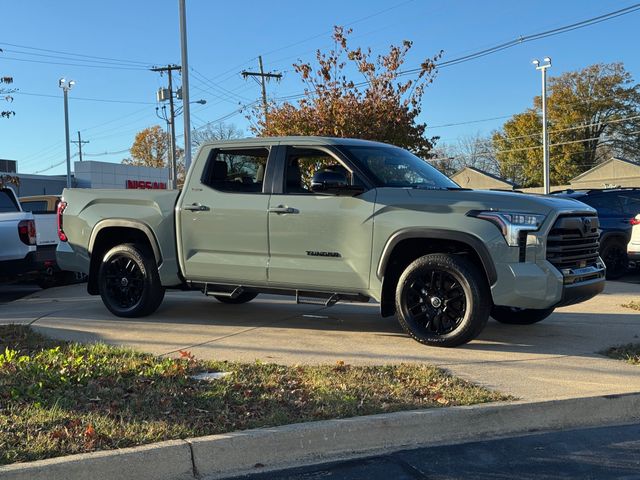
(329,220)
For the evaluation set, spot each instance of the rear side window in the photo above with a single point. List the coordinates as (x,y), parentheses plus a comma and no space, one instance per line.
(630,203)
(604,204)
(36,206)
(7,203)
(240,171)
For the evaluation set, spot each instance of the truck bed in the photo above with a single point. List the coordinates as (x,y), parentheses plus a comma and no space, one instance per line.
(90,211)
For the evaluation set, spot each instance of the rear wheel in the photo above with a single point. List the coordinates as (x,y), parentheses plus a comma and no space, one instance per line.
(242,298)
(614,255)
(520,316)
(442,300)
(128,281)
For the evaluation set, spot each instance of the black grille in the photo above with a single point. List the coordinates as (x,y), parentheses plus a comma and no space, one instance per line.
(573,242)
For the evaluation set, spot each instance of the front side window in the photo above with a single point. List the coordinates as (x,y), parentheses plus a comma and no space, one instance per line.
(303,164)
(394,167)
(240,170)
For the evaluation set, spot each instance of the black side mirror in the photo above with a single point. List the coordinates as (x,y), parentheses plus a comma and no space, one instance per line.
(328,182)
(335,183)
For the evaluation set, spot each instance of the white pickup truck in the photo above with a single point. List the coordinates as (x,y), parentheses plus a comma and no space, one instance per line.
(44,209)
(17,237)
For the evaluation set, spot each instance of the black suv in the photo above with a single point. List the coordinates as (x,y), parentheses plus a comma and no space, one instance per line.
(616,207)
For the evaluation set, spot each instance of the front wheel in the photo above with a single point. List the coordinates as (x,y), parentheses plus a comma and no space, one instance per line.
(520,316)
(442,300)
(128,281)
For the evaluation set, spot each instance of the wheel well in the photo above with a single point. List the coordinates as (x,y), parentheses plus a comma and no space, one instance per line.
(408,250)
(105,240)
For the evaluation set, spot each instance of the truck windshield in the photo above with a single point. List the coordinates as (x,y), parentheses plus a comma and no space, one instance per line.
(7,203)
(396,167)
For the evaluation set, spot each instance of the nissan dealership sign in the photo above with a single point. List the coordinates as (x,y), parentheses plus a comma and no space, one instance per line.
(146,185)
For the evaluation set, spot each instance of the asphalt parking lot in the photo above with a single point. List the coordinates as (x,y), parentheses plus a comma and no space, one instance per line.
(557,358)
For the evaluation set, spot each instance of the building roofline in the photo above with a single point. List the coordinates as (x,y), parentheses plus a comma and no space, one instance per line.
(600,165)
(482,172)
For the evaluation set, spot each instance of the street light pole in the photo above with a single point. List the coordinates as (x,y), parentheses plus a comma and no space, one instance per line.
(66,85)
(545,134)
(185,86)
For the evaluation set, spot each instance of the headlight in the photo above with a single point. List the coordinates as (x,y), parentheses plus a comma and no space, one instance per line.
(511,223)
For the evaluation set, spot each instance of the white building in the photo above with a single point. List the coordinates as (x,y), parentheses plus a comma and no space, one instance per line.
(92,174)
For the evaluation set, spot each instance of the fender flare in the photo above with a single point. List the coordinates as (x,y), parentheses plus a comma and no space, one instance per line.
(124,223)
(438,234)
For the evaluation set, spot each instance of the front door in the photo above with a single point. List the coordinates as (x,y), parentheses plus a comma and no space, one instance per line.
(318,241)
(222,219)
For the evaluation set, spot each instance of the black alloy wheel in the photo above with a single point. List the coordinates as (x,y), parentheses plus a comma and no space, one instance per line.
(128,281)
(435,301)
(124,281)
(442,300)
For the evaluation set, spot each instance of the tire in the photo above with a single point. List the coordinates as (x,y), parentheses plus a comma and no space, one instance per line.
(242,298)
(442,300)
(614,254)
(520,316)
(128,281)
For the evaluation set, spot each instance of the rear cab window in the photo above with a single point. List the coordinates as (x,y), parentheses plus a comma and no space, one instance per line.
(36,206)
(239,170)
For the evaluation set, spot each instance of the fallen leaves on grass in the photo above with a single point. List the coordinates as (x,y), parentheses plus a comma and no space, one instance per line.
(59,398)
(633,305)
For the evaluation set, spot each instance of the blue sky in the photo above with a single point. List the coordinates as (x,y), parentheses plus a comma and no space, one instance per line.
(109,105)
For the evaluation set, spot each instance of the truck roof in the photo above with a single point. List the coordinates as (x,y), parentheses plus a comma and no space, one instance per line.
(297,140)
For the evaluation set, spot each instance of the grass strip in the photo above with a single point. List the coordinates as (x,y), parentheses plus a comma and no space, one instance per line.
(59,398)
(633,305)
(629,353)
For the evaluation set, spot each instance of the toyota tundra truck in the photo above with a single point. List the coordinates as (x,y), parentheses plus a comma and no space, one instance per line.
(331,220)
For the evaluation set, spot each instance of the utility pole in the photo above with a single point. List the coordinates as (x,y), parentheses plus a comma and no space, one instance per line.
(263,77)
(66,85)
(172,149)
(79,142)
(545,134)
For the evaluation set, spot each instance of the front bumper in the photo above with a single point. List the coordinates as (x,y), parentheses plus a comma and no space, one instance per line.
(540,285)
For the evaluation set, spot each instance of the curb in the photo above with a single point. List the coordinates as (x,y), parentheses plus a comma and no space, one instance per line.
(265,449)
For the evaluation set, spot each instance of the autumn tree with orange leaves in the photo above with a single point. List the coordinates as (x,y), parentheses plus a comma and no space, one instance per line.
(384,106)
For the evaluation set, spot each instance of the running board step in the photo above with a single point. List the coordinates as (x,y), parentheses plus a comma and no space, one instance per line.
(216,292)
(316,298)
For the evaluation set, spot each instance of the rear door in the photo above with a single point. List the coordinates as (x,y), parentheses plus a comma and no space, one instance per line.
(318,241)
(222,217)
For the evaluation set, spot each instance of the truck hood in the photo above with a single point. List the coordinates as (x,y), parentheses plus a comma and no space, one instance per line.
(461,201)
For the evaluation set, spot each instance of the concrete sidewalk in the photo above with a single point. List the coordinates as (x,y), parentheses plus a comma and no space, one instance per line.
(554,359)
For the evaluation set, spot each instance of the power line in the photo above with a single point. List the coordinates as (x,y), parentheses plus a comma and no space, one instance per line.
(503,46)
(77,54)
(529,38)
(84,98)
(60,57)
(576,127)
(109,67)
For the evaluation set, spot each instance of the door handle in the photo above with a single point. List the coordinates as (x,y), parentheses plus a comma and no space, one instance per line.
(196,207)
(281,209)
